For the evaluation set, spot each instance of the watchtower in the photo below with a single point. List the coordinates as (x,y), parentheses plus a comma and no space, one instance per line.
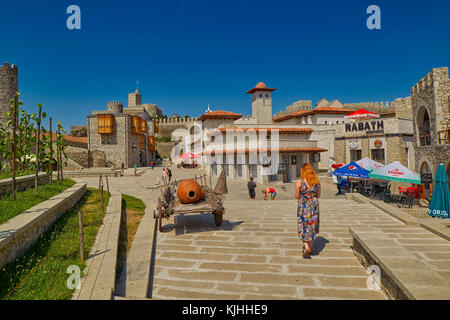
(262,103)
(9,85)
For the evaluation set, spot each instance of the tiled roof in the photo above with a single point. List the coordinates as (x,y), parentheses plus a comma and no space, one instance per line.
(260,87)
(70,138)
(219,114)
(280,130)
(282,150)
(318,110)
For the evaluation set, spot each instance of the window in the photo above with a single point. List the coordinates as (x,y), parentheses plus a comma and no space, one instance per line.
(378,155)
(294,159)
(355,155)
(267,95)
(326,122)
(260,95)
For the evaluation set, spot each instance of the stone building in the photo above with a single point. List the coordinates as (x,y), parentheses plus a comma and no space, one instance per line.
(431,121)
(9,85)
(242,158)
(123,137)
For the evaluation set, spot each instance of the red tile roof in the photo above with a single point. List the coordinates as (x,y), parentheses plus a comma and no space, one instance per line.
(282,150)
(280,130)
(260,87)
(219,114)
(70,138)
(318,110)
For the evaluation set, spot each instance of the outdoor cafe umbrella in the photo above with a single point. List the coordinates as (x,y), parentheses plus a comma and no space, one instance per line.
(440,201)
(188,156)
(369,164)
(352,170)
(362,114)
(395,171)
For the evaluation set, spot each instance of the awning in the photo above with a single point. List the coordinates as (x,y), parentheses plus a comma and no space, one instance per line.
(362,114)
(352,170)
(369,164)
(395,171)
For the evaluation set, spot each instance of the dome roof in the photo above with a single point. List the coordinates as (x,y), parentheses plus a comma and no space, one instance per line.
(144,115)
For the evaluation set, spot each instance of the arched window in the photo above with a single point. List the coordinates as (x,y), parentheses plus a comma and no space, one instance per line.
(423,127)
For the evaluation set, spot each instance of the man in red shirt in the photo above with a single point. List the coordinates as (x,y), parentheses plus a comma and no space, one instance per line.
(272,192)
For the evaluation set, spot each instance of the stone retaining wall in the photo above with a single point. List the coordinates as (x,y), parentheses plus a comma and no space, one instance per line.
(21,232)
(23,182)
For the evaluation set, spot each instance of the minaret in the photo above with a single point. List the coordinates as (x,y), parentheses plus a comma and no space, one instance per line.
(262,103)
(9,85)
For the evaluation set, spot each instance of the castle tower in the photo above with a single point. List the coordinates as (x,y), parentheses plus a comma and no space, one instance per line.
(9,85)
(115,107)
(134,99)
(262,103)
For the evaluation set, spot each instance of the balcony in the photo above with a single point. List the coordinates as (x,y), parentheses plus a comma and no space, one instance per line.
(425,140)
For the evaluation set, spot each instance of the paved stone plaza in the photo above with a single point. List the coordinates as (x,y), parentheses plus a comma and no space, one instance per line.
(256,253)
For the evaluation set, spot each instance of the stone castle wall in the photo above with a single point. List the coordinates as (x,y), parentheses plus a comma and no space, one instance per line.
(167,126)
(9,85)
(432,93)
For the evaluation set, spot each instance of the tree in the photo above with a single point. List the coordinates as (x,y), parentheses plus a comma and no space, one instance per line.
(38,139)
(12,123)
(60,150)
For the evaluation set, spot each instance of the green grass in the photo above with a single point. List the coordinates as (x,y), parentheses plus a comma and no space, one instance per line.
(6,175)
(61,244)
(135,210)
(25,199)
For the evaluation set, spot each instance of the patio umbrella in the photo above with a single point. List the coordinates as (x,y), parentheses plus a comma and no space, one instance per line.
(395,171)
(188,156)
(440,201)
(362,114)
(337,165)
(369,164)
(352,170)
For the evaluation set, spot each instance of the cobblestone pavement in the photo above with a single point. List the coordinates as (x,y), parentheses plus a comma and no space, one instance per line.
(256,253)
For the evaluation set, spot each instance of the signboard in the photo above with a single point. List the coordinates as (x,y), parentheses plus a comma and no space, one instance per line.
(426,178)
(378,143)
(353,145)
(368,127)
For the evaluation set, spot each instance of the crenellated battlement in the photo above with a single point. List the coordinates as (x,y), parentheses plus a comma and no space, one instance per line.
(115,106)
(437,75)
(177,120)
(379,106)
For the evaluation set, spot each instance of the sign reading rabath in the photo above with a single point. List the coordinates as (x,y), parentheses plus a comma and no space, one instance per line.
(370,126)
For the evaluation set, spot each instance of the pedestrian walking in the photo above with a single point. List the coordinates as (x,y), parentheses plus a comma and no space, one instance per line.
(169,174)
(152,164)
(164,175)
(251,185)
(307,191)
(122,167)
(339,184)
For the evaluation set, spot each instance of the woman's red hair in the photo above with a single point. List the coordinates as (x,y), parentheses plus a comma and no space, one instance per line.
(309,175)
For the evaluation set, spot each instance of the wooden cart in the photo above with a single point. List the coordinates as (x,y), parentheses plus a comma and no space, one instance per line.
(169,204)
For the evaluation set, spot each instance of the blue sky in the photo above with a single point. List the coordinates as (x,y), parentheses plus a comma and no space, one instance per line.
(187,54)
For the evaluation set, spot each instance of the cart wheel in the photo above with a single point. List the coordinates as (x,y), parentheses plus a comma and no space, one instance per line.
(218,216)
(160,214)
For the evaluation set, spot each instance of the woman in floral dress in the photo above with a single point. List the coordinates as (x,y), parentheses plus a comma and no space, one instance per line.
(307,192)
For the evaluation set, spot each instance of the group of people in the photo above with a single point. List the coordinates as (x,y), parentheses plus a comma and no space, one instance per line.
(251,185)
(307,191)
